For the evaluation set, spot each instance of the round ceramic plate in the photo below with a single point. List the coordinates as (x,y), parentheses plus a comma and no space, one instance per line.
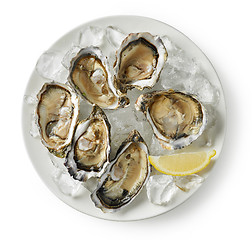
(141,207)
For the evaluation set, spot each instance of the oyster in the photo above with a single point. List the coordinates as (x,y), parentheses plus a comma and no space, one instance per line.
(177,118)
(90,150)
(56,116)
(125,177)
(139,62)
(90,76)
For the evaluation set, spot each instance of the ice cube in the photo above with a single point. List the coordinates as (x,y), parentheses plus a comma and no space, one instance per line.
(91,184)
(71,53)
(186,183)
(91,36)
(139,116)
(211,115)
(116,140)
(169,45)
(49,65)
(156,149)
(115,36)
(30,99)
(34,131)
(86,106)
(57,162)
(66,184)
(62,75)
(161,189)
(210,136)
(111,60)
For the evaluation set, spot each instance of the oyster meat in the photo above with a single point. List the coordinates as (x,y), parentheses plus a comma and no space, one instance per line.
(139,62)
(90,150)
(177,118)
(125,177)
(90,76)
(56,116)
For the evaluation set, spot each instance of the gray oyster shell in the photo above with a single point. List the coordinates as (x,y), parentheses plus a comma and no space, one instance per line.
(90,150)
(139,61)
(90,76)
(176,118)
(56,116)
(125,176)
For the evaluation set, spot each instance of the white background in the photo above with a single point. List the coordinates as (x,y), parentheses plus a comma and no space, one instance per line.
(218,210)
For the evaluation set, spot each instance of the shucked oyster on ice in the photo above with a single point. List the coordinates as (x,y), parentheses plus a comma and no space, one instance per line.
(90,76)
(56,115)
(125,177)
(90,150)
(177,118)
(139,61)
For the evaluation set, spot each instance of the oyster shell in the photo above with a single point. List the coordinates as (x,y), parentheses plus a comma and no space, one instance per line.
(90,150)
(90,76)
(139,62)
(56,116)
(125,176)
(177,118)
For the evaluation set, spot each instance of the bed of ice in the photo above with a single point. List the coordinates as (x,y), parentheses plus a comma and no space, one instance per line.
(180,73)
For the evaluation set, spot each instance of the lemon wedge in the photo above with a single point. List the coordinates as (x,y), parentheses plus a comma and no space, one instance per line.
(183,163)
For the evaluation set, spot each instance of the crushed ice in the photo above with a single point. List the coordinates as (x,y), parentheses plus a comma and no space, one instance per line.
(120,127)
(185,74)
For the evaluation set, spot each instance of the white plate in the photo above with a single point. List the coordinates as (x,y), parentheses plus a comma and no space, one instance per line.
(140,208)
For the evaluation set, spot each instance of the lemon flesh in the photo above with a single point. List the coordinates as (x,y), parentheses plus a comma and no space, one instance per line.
(182,164)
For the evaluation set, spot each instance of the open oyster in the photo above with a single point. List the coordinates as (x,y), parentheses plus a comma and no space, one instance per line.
(177,118)
(139,62)
(56,116)
(125,177)
(90,150)
(90,76)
